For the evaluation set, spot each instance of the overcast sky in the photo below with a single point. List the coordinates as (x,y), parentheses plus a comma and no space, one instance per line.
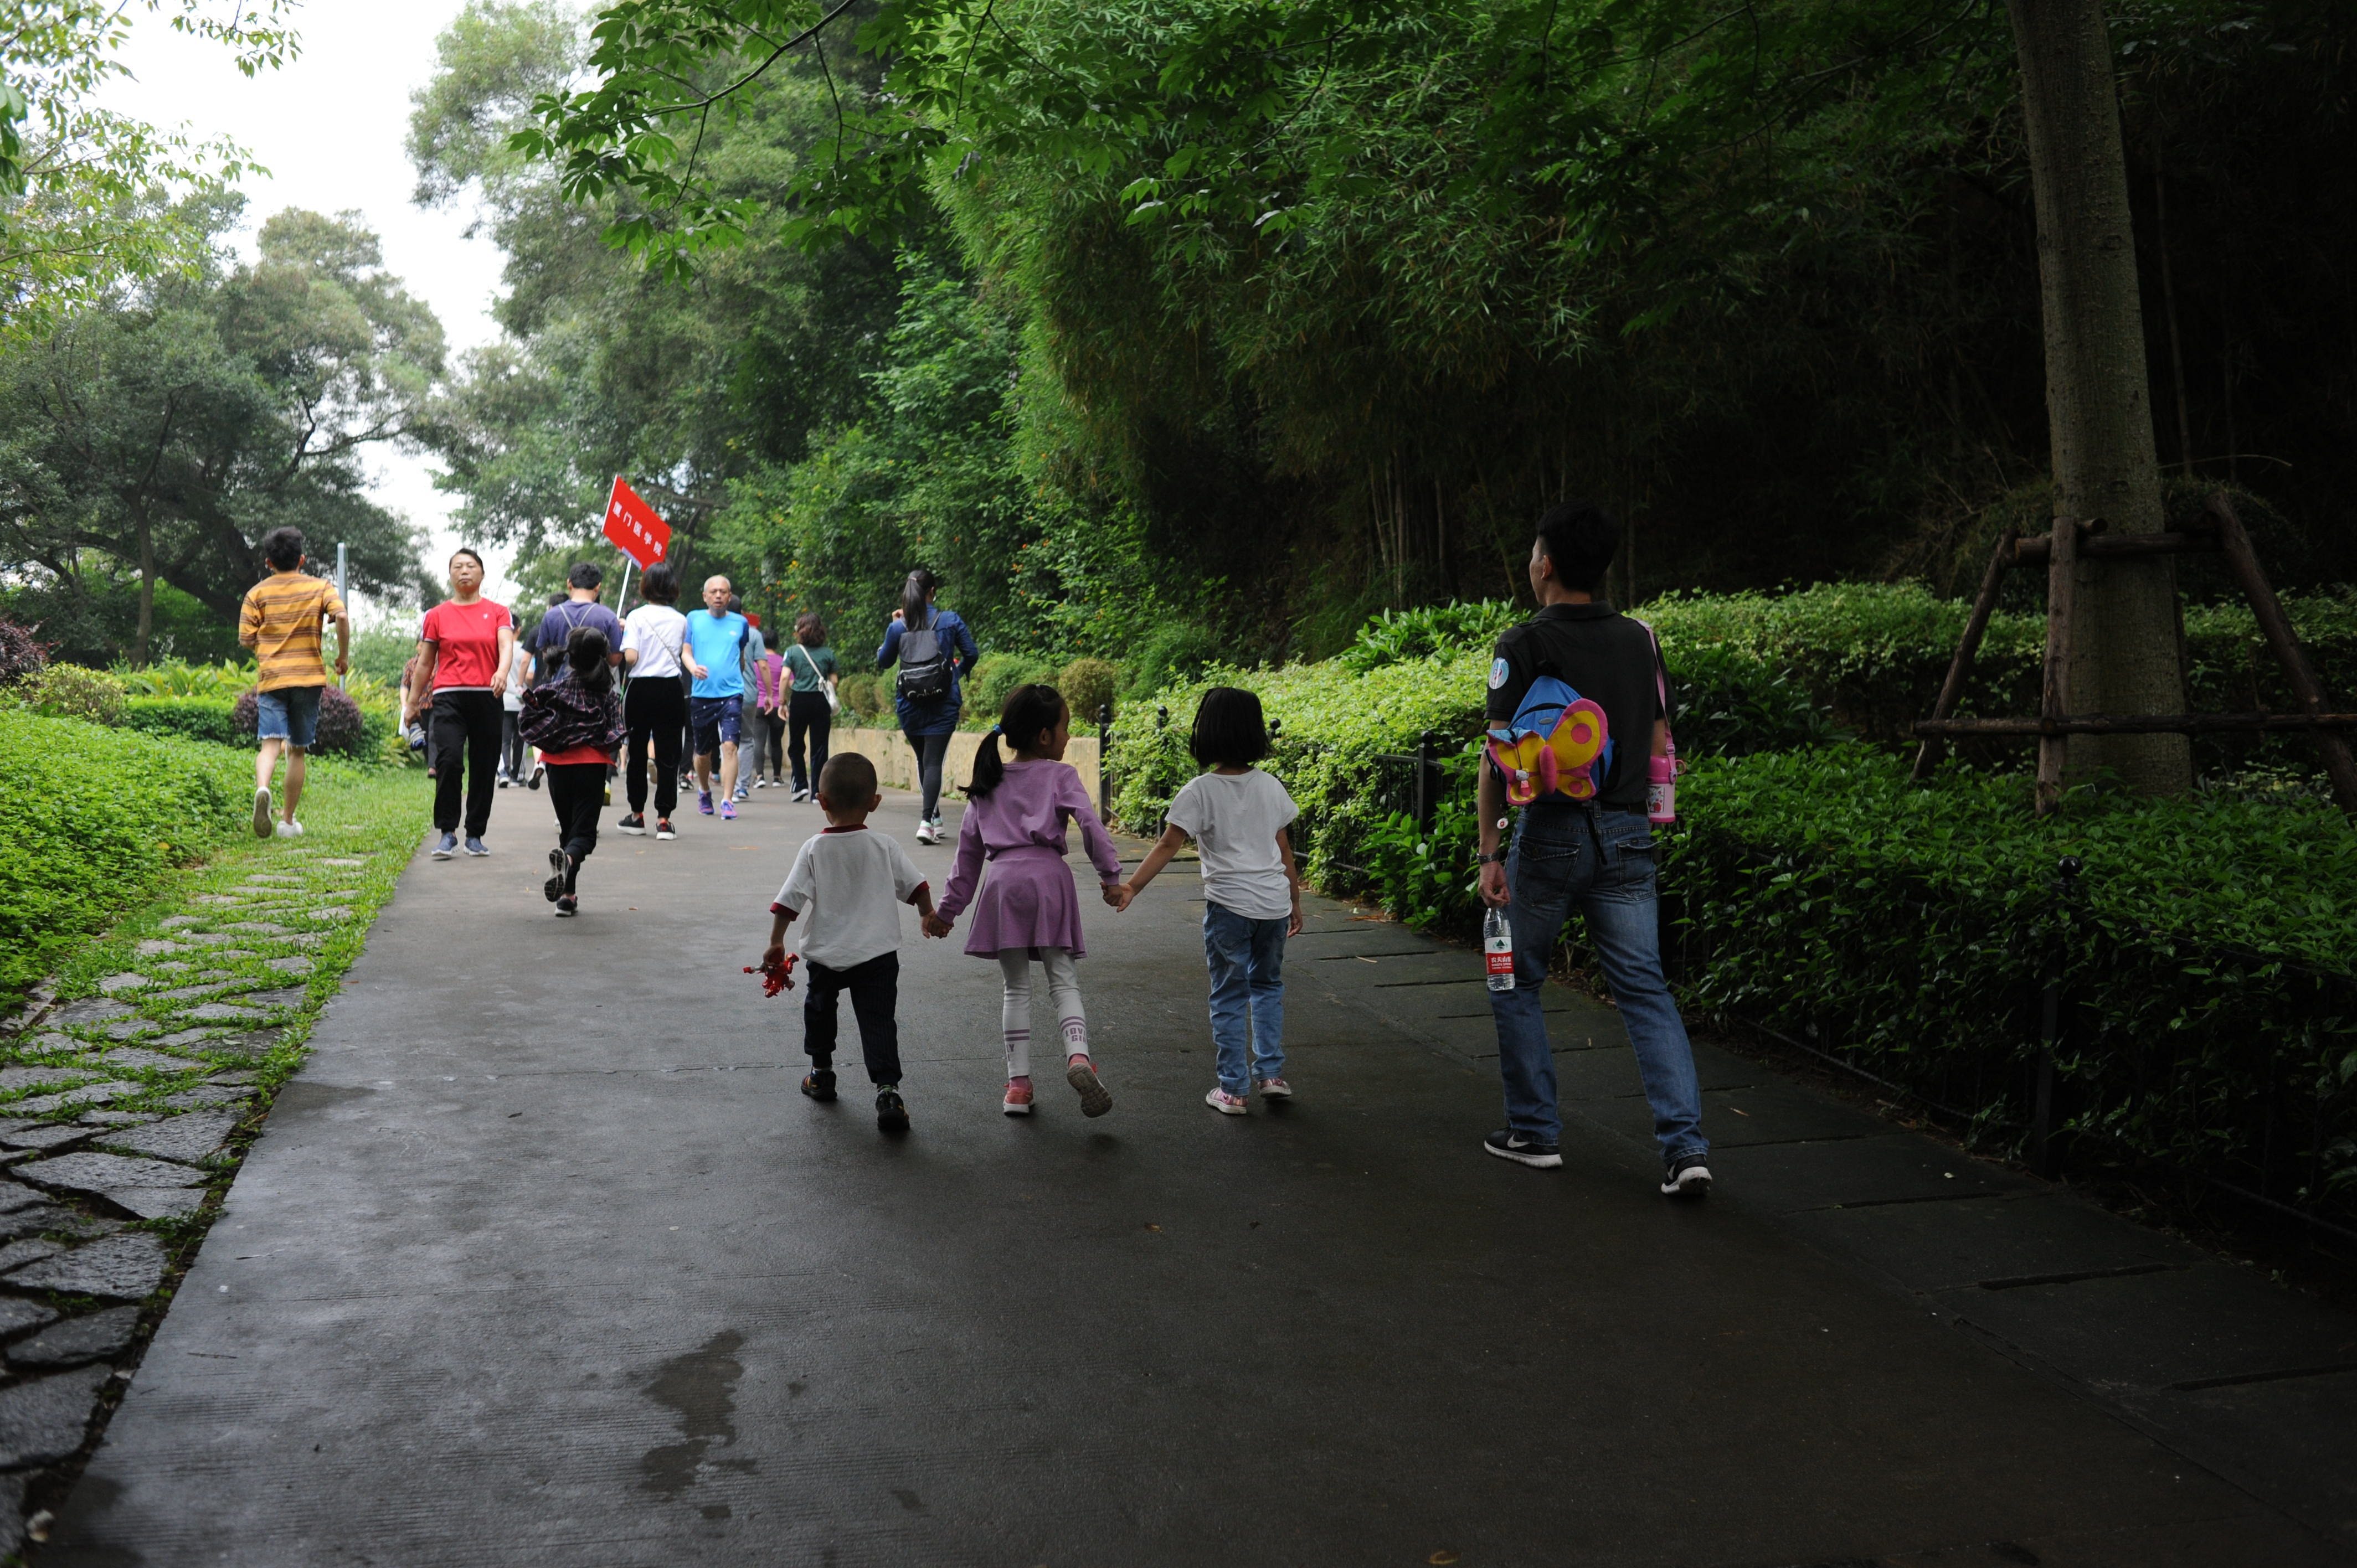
(331,128)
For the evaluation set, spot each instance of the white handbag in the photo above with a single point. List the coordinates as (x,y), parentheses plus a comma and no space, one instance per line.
(833,703)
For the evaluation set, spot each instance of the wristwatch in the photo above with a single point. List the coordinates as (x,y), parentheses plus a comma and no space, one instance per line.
(1497,859)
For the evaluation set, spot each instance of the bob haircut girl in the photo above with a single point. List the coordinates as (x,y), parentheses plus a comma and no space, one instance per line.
(1020,806)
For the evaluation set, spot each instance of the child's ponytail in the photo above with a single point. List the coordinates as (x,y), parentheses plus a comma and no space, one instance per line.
(1029,711)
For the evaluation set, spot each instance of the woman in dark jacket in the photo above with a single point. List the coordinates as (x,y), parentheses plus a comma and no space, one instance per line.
(576,722)
(930,688)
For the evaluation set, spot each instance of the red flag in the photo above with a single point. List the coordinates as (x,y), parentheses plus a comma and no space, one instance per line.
(634,528)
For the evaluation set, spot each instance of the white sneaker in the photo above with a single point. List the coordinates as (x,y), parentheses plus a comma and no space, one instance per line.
(925,833)
(1226,1104)
(290,829)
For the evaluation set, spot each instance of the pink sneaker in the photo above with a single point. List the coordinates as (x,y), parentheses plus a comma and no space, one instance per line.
(1081,1074)
(1274,1087)
(1018,1099)
(1226,1104)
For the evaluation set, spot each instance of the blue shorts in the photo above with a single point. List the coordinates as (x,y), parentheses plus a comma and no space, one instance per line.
(290,714)
(715,720)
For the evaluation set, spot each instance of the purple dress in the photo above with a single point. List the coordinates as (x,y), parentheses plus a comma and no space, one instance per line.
(1029,900)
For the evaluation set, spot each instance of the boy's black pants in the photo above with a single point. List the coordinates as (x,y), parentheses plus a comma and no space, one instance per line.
(874,988)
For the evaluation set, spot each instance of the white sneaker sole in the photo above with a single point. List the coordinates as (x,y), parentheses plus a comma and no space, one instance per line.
(1013,1108)
(1225,1107)
(1095,1098)
(638,833)
(262,813)
(1536,1162)
(1693,1182)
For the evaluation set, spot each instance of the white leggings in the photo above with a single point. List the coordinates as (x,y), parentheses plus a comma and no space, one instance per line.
(1015,1014)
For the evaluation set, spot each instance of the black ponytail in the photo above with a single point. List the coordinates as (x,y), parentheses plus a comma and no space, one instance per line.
(915,594)
(586,652)
(1029,711)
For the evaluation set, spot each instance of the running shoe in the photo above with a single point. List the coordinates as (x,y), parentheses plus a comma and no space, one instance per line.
(819,1084)
(555,887)
(663,830)
(892,1110)
(1226,1104)
(1686,1177)
(741,794)
(1274,1087)
(925,833)
(567,907)
(634,823)
(1018,1099)
(704,801)
(505,781)
(533,782)
(290,829)
(1081,1074)
(1509,1145)
(728,810)
(448,847)
(475,847)
(800,793)
(760,783)
(261,813)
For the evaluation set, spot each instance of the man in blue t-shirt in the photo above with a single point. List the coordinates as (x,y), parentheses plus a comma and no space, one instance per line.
(715,658)
(579,607)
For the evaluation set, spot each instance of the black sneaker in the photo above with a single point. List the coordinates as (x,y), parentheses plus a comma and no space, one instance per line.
(1510,1144)
(568,905)
(1686,1177)
(891,1112)
(634,823)
(555,887)
(663,830)
(819,1084)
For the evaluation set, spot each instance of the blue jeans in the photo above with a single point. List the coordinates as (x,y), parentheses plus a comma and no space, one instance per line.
(1246,957)
(290,714)
(1603,864)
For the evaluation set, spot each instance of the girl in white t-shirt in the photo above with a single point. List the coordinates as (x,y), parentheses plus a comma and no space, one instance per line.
(1238,816)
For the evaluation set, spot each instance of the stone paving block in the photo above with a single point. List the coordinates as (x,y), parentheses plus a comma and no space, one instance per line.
(205,1094)
(126,1268)
(156,947)
(157,1202)
(190,1139)
(114,1118)
(288,996)
(18,1314)
(343,860)
(78,1340)
(180,1039)
(135,1060)
(13,1197)
(222,1012)
(31,1250)
(129,979)
(38,1135)
(293,964)
(189,992)
(262,927)
(90,1010)
(44,1420)
(91,1172)
(12,1078)
(332,912)
(175,922)
(35,1220)
(88,1094)
(129,1029)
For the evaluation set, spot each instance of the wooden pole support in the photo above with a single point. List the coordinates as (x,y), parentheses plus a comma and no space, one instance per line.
(2061,589)
(1952,690)
(2339,761)
(2035,552)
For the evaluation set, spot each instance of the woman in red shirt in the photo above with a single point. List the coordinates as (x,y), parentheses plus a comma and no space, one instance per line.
(462,658)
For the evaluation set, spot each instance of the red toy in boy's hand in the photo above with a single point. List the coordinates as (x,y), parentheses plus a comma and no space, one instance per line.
(777,974)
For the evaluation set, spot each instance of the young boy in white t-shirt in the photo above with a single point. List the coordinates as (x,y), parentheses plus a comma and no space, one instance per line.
(1237,815)
(850,882)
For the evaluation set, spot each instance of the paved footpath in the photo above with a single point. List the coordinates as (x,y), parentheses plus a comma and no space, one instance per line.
(542,1261)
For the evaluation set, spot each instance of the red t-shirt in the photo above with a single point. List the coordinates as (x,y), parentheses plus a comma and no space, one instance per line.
(466,639)
(577,754)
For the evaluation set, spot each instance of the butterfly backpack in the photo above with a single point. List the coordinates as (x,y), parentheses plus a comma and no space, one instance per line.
(1557,747)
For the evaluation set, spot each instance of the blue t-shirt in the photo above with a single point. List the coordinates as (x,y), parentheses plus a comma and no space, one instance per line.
(557,625)
(718,644)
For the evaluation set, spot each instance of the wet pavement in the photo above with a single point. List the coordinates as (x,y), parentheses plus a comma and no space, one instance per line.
(543,1259)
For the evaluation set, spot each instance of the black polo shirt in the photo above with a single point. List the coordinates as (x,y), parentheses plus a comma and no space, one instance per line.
(1605,656)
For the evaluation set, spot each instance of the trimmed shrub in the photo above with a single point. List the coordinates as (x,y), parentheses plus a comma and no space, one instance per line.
(1174,652)
(71,692)
(21,653)
(996,678)
(1089,684)
(71,855)
(863,696)
(212,719)
(342,731)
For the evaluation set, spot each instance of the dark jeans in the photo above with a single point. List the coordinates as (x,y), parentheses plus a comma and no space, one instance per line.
(577,790)
(511,743)
(809,718)
(931,749)
(653,709)
(769,746)
(874,988)
(466,733)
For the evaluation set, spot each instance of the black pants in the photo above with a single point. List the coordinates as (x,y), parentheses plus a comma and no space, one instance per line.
(809,719)
(512,744)
(770,743)
(931,750)
(874,988)
(655,709)
(467,728)
(577,790)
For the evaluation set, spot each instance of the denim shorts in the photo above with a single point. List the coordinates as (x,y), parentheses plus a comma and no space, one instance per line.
(716,720)
(290,714)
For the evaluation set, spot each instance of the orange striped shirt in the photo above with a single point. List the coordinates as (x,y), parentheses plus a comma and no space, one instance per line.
(280,621)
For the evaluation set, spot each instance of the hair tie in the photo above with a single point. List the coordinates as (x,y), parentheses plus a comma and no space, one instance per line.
(996,729)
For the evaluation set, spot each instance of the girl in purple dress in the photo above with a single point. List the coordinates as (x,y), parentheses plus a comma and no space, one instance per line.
(1028,909)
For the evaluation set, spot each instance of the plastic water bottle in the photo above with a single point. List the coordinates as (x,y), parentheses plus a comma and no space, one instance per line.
(1498,949)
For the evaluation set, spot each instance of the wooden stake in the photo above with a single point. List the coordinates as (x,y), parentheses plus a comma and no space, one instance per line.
(2062,590)
(2340,762)
(1952,690)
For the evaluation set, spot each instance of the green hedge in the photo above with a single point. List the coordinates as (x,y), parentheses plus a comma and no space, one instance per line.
(2211,955)
(212,719)
(94,816)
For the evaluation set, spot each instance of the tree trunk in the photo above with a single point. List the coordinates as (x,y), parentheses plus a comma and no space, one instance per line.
(146,589)
(2098,398)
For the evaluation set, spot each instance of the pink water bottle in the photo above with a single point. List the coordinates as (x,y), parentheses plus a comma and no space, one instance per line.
(1661,786)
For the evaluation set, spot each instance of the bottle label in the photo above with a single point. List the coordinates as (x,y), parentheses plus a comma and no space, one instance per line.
(1500,952)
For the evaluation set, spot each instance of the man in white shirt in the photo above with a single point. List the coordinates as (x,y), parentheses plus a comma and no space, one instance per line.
(656,707)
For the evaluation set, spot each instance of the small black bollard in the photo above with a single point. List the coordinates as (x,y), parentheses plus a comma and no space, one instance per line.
(2045,1154)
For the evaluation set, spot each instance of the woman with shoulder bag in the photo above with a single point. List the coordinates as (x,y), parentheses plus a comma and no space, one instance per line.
(810,701)
(935,652)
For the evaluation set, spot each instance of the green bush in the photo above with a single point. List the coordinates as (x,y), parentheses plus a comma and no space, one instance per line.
(71,692)
(342,730)
(863,696)
(995,681)
(1391,636)
(212,719)
(178,678)
(1089,684)
(2212,1018)
(94,817)
(1173,653)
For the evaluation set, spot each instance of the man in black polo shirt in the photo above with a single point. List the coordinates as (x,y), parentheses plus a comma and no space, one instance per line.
(1595,854)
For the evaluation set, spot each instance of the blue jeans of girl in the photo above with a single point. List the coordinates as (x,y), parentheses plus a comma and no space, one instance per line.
(1246,957)
(1601,863)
